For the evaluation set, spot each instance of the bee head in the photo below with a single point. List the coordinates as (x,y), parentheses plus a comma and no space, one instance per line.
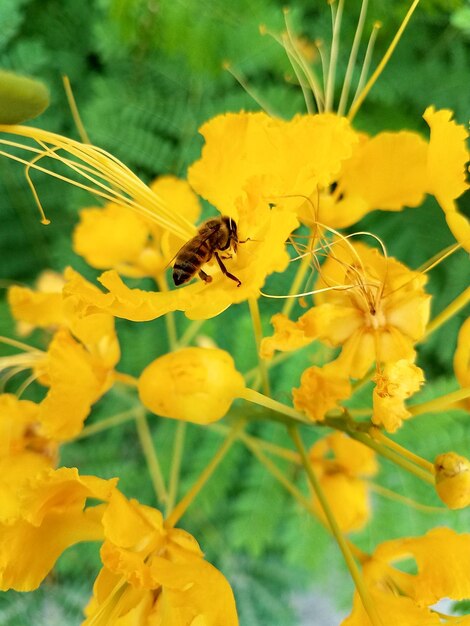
(231,227)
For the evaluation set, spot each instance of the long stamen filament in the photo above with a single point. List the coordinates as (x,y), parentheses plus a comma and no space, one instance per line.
(370,83)
(330,83)
(367,59)
(352,59)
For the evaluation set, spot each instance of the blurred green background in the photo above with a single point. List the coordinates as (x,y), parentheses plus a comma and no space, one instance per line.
(146,75)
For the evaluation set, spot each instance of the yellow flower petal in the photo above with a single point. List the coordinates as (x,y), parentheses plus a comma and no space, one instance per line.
(193,593)
(321,389)
(288,335)
(387,172)
(447,156)
(255,147)
(75,381)
(446,167)
(462,358)
(453,479)
(341,463)
(50,517)
(35,307)
(193,384)
(442,557)
(396,382)
(111,236)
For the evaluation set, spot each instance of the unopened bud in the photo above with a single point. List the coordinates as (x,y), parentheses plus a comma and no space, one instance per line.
(193,384)
(453,479)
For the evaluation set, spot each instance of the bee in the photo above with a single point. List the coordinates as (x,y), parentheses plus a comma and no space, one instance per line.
(215,235)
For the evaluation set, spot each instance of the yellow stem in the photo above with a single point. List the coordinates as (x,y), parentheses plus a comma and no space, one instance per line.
(368,441)
(370,83)
(440,404)
(393,445)
(151,456)
(126,379)
(177,457)
(74,110)
(170,316)
(296,284)
(273,405)
(343,545)
(272,448)
(190,332)
(397,497)
(258,332)
(184,503)
(454,307)
(352,59)
(105,424)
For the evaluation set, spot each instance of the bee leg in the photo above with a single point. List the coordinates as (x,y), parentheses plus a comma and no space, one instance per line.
(205,277)
(225,271)
(226,256)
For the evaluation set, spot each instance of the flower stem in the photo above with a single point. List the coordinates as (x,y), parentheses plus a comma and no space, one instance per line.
(178,448)
(126,379)
(190,332)
(340,539)
(391,455)
(393,445)
(170,316)
(105,424)
(397,497)
(296,284)
(273,405)
(184,503)
(261,444)
(453,308)
(370,83)
(440,404)
(258,332)
(151,456)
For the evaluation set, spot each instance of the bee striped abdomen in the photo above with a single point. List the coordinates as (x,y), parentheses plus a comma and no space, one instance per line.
(190,259)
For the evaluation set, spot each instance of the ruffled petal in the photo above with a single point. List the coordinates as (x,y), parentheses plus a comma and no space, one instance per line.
(50,517)
(255,147)
(387,172)
(75,382)
(112,236)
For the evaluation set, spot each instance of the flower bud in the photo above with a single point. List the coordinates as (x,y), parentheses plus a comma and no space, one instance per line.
(21,98)
(453,479)
(193,384)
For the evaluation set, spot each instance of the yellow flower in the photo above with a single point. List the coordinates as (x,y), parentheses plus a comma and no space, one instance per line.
(462,359)
(371,305)
(24,449)
(77,373)
(49,517)
(321,389)
(48,309)
(441,557)
(193,384)
(263,231)
(114,237)
(155,575)
(255,149)
(396,382)
(76,381)
(342,465)
(453,479)
(447,157)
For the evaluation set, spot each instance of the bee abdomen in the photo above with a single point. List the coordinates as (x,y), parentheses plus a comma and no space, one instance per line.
(189,260)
